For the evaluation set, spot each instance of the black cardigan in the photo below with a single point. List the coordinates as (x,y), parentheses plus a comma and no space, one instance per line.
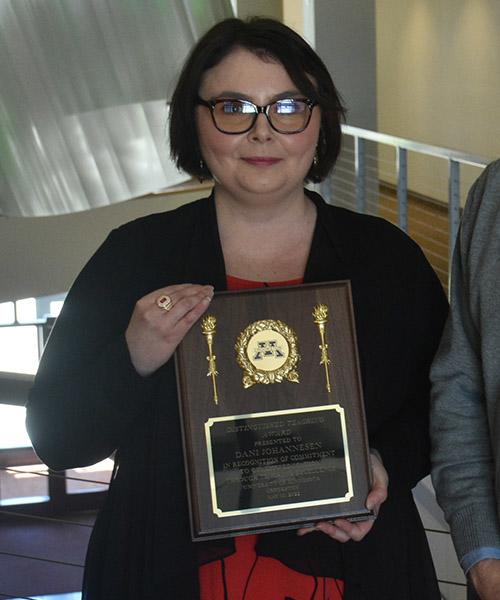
(88,401)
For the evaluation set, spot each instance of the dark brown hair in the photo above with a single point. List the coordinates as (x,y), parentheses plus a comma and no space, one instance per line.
(265,38)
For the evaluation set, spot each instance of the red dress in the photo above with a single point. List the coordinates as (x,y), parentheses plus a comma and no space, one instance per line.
(248,577)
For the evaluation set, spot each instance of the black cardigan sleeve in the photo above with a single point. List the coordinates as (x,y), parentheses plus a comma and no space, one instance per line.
(87,394)
(87,399)
(412,316)
(403,439)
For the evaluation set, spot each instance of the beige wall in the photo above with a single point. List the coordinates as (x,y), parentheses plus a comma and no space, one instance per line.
(43,255)
(261,8)
(438,79)
(346,41)
(293,15)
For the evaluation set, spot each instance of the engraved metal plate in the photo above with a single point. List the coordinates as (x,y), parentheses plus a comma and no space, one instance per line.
(278,460)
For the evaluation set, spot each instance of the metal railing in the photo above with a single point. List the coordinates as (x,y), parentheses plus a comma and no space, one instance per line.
(364,157)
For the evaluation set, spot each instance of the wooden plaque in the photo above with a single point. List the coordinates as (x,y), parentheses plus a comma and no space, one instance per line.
(272,412)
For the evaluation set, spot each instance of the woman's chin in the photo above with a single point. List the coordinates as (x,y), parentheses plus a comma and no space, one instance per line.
(263,187)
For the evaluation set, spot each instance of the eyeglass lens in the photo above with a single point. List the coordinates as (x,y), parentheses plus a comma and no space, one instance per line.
(236,116)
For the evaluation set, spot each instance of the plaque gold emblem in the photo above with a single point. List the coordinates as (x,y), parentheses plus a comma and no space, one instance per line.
(320,316)
(208,328)
(267,351)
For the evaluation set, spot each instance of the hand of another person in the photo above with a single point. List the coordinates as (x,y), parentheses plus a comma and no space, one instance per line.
(485,576)
(154,332)
(343,530)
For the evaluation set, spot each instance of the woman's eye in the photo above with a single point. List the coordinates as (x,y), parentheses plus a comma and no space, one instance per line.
(231,107)
(235,107)
(289,106)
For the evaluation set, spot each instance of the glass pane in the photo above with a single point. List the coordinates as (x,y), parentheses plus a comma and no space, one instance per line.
(19,349)
(19,484)
(26,310)
(12,428)
(7,313)
(24,484)
(56,307)
(89,479)
(49,306)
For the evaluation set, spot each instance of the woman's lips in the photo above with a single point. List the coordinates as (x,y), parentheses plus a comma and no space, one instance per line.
(261,161)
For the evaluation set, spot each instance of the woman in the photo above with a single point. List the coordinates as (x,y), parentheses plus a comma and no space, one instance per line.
(256,109)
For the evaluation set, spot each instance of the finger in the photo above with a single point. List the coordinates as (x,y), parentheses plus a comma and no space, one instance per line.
(380,482)
(333,531)
(168,290)
(354,531)
(305,530)
(376,497)
(187,312)
(182,308)
(170,297)
(154,305)
(340,530)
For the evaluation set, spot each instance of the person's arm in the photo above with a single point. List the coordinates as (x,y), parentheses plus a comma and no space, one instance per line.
(463,468)
(475,556)
(485,576)
(403,439)
(100,370)
(79,408)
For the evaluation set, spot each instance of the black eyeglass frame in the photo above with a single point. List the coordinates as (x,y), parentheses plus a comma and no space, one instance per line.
(211,104)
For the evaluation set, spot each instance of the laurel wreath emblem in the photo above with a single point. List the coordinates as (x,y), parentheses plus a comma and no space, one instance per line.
(287,370)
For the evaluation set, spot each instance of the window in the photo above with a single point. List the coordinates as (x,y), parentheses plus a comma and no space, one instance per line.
(20,331)
(25,483)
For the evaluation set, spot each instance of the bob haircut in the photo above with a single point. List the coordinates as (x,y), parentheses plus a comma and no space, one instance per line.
(268,39)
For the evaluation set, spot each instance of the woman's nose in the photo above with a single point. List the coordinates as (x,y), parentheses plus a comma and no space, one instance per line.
(261,129)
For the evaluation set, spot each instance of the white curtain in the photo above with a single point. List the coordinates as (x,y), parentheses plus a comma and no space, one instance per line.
(83,89)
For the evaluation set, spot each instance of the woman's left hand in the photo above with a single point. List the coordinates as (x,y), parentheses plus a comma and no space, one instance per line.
(343,530)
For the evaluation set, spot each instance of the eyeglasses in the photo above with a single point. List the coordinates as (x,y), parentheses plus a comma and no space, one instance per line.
(233,116)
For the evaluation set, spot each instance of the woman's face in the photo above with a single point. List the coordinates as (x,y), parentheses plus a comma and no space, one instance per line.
(260,161)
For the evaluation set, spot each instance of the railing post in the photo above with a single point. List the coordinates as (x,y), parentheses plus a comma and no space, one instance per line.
(402,171)
(453,207)
(360,170)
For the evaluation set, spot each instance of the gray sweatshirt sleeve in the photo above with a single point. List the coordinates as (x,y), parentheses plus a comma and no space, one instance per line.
(465,407)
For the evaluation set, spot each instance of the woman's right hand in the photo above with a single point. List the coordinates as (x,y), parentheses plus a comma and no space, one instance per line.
(154,333)
(343,530)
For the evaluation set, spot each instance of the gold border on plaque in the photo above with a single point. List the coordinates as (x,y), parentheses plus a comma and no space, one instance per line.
(259,509)
(285,353)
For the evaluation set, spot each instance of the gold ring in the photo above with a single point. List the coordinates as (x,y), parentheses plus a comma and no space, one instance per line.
(164,302)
